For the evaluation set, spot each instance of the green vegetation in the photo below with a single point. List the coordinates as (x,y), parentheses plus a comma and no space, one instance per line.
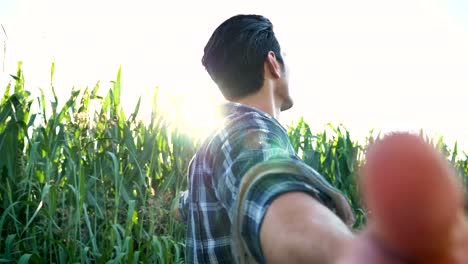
(82,182)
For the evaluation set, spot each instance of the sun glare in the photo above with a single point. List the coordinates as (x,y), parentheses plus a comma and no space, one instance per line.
(195,115)
(198,118)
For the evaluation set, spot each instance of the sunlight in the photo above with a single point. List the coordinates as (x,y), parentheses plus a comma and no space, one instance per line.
(198,118)
(195,114)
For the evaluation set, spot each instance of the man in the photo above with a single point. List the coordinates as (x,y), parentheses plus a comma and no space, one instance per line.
(283,214)
(286,220)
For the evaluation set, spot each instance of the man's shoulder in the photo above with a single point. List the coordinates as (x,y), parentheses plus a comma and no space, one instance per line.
(243,126)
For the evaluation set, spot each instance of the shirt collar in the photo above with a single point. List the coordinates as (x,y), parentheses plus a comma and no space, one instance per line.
(233,107)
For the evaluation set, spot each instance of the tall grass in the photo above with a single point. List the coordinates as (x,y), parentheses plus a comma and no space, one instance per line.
(80,181)
(81,186)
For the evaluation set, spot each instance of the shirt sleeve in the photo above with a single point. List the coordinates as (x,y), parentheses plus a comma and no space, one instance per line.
(242,148)
(258,201)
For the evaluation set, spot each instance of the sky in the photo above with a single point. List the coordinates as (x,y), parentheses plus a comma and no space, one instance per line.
(368,64)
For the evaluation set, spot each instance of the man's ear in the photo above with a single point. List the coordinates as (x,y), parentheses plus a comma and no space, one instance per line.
(273,65)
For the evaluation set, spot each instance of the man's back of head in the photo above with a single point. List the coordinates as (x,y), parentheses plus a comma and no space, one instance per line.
(235,54)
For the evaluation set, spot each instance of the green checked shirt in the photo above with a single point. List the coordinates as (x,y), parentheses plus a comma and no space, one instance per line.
(248,136)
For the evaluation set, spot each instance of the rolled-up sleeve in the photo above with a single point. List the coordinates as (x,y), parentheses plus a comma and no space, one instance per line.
(242,149)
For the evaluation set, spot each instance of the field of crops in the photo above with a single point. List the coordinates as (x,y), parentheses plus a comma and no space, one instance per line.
(82,181)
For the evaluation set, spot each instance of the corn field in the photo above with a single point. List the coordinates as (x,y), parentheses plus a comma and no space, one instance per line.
(82,182)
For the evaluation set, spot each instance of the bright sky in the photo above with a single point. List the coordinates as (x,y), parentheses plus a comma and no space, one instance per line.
(387,65)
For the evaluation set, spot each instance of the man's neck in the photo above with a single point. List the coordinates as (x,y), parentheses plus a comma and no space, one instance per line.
(264,102)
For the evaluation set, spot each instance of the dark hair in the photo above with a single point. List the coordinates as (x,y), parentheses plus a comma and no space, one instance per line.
(235,54)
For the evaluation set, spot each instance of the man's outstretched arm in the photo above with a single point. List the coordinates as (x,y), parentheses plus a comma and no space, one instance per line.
(298,229)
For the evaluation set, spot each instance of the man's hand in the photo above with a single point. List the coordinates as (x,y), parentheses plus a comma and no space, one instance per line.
(176,212)
(180,197)
(416,205)
(366,249)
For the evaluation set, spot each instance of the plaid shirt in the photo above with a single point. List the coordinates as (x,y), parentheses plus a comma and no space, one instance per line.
(247,137)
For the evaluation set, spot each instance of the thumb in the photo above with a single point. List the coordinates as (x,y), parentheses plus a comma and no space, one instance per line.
(413,196)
